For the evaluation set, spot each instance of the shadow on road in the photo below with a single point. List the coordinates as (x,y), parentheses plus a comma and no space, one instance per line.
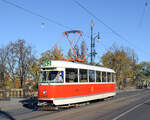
(147,103)
(30,103)
(6,115)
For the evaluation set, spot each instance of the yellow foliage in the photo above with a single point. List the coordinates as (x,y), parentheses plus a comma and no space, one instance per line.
(122,62)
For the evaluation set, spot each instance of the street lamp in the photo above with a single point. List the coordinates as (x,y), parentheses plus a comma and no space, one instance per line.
(93,52)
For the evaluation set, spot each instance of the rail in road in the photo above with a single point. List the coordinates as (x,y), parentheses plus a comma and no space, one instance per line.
(125,106)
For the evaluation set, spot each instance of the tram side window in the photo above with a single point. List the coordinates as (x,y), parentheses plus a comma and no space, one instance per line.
(98,76)
(113,77)
(91,76)
(43,76)
(83,75)
(71,75)
(103,76)
(108,77)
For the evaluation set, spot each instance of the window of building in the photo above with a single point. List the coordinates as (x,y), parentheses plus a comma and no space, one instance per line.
(91,76)
(83,75)
(71,75)
(103,76)
(108,77)
(98,76)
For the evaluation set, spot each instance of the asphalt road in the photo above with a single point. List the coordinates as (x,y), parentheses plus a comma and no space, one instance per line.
(131,105)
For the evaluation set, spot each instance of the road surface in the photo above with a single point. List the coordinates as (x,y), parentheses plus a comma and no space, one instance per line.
(129,105)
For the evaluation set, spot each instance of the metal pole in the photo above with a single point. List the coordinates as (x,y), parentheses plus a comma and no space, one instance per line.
(92,41)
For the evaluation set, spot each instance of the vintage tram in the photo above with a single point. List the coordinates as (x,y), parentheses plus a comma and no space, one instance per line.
(64,83)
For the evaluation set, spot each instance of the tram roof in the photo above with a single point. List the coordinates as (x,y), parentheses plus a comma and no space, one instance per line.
(65,64)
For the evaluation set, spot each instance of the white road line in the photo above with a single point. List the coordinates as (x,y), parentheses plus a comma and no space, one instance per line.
(122,114)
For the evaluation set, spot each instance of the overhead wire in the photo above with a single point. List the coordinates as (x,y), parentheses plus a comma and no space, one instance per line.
(107,26)
(35,14)
(64,26)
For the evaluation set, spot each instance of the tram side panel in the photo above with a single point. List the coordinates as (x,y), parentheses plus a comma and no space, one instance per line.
(74,90)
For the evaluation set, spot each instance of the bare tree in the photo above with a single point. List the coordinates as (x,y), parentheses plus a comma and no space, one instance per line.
(3,55)
(24,54)
(12,62)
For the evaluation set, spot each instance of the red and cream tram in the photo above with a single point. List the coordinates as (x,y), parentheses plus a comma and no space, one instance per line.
(69,82)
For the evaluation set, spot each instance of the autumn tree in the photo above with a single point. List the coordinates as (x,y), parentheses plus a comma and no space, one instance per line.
(34,71)
(79,50)
(123,61)
(83,49)
(69,54)
(51,55)
(143,75)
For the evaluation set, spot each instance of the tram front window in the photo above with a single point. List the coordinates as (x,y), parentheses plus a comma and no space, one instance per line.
(53,76)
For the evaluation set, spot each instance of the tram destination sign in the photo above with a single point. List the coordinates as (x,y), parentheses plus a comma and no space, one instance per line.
(47,63)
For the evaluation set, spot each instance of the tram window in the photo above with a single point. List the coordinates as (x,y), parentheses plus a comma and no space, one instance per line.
(52,76)
(113,77)
(108,77)
(55,76)
(43,76)
(83,75)
(71,75)
(98,76)
(91,76)
(103,76)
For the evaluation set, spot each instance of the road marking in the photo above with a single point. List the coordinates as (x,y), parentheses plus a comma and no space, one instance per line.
(122,114)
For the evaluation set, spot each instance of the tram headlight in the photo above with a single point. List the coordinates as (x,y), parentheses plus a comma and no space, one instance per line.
(44,92)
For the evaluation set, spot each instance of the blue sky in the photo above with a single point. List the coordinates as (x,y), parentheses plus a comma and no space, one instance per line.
(123,16)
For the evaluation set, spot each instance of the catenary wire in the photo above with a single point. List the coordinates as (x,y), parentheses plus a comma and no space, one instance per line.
(108,27)
(35,14)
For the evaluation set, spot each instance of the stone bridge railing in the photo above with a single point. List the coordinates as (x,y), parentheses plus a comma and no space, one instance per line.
(18,93)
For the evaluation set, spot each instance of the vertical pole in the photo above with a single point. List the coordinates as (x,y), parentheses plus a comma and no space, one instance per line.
(92,41)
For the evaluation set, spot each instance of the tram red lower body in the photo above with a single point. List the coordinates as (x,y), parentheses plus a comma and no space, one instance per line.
(73,90)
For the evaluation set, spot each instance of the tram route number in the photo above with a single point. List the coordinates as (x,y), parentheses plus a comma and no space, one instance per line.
(47,63)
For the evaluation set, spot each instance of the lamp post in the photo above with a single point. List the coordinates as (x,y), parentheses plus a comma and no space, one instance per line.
(93,51)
